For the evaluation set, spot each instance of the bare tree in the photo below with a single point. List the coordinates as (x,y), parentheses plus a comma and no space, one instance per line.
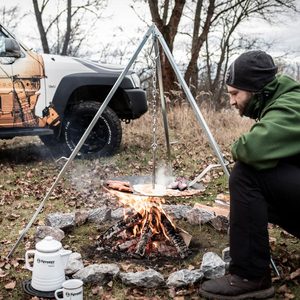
(288,67)
(198,38)
(209,17)
(71,18)
(231,16)
(168,26)
(9,16)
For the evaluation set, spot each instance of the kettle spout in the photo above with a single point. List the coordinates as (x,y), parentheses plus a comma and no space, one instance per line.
(65,254)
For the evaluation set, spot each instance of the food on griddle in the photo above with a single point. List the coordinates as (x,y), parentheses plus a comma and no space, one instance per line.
(179,184)
(147,189)
(122,186)
(182,185)
(173,185)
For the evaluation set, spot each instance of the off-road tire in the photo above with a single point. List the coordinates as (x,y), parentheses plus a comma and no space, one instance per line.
(55,143)
(104,139)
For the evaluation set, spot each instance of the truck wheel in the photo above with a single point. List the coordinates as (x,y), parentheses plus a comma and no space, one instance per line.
(55,143)
(103,140)
(105,137)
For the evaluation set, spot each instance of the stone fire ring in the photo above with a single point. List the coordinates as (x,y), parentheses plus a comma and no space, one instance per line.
(57,224)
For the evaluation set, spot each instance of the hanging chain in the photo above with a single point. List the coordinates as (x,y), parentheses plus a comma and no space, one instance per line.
(154,117)
(154,106)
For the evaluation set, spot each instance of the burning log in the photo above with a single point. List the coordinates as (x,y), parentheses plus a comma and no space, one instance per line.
(135,234)
(144,240)
(148,232)
(146,235)
(175,237)
(121,225)
(126,245)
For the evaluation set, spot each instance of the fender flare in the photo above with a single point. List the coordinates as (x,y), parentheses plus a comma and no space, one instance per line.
(70,83)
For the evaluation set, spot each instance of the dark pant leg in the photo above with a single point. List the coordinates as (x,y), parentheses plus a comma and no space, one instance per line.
(281,188)
(259,197)
(249,240)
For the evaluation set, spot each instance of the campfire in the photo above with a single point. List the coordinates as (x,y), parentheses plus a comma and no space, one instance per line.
(146,230)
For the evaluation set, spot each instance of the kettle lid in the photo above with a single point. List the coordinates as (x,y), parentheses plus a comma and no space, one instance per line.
(48,244)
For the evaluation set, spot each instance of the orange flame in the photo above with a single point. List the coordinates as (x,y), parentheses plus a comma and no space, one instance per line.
(150,208)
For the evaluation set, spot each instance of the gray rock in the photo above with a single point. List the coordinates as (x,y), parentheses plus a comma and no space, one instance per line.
(212,265)
(149,278)
(43,231)
(74,263)
(226,258)
(63,221)
(220,223)
(81,217)
(226,255)
(179,211)
(184,278)
(197,216)
(99,215)
(100,274)
(118,214)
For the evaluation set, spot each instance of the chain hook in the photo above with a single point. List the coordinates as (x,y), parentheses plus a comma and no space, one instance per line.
(154,110)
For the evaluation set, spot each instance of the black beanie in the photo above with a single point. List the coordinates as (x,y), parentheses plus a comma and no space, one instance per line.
(251,71)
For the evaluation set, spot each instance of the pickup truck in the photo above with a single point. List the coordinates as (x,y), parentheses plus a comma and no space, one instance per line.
(55,97)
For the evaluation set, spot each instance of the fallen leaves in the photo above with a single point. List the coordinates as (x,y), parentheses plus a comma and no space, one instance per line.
(2,273)
(180,294)
(286,292)
(12,216)
(295,274)
(14,263)
(10,286)
(6,266)
(23,184)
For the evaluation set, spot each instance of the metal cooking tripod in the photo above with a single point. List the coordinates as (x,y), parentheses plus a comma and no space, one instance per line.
(157,76)
(157,37)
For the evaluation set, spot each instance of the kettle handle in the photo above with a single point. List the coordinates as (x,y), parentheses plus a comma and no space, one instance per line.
(27,254)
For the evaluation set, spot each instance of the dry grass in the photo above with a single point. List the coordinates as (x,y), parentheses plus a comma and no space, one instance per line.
(190,149)
(225,126)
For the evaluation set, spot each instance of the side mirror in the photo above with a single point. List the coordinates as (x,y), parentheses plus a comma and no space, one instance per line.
(9,48)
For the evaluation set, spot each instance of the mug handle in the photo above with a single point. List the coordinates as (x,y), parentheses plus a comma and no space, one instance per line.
(56,294)
(27,254)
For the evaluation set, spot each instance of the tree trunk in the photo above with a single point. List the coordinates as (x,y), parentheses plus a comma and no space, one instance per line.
(191,73)
(39,20)
(169,31)
(68,29)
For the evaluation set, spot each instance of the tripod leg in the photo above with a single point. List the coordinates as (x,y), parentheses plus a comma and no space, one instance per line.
(162,98)
(192,101)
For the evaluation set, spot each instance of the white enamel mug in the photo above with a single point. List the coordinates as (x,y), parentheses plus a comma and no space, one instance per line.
(71,289)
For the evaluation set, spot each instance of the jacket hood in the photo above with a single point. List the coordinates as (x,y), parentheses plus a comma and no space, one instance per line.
(282,84)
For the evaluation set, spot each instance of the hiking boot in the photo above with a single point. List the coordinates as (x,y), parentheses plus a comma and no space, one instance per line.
(234,287)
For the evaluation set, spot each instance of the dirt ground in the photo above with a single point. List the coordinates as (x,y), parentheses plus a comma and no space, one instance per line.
(27,170)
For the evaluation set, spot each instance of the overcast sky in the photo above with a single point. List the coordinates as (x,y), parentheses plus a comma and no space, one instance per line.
(284,34)
(120,23)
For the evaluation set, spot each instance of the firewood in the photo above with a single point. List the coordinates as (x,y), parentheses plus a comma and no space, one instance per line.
(120,226)
(175,237)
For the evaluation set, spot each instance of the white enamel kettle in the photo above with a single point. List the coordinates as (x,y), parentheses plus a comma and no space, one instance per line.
(50,260)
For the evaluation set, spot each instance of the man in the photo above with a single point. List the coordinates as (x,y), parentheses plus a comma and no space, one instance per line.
(265,182)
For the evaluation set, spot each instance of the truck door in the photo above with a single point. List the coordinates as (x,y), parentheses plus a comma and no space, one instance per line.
(6,87)
(19,85)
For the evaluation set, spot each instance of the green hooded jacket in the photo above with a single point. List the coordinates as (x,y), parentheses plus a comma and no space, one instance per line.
(276,135)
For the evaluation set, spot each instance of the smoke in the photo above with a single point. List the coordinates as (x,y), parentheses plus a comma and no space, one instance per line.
(164,176)
(88,175)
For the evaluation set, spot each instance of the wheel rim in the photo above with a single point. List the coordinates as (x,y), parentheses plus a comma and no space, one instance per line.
(99,137)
